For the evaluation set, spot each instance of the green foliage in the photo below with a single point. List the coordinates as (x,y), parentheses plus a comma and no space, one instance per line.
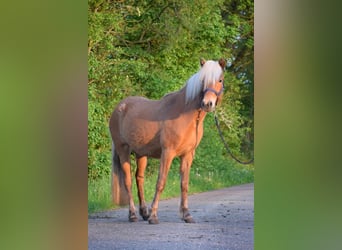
(99,194)
(150,48)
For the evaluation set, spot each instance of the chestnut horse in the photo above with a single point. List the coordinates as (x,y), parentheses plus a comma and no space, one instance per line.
(166,128)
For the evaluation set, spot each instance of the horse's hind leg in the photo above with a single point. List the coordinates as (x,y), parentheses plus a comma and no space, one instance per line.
(139,175)
(124,155)
(186,161)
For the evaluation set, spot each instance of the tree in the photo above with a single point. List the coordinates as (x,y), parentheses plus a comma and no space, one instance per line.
(150,48)
(239,21)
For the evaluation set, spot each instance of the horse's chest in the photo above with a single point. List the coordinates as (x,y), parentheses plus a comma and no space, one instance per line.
(183,139)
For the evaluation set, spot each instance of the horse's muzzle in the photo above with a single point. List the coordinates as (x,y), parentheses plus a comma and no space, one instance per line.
(208,106)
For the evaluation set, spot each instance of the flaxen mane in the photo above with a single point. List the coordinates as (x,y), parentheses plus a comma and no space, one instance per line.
(209,73)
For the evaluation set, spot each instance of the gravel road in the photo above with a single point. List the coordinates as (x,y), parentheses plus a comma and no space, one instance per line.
(224,220)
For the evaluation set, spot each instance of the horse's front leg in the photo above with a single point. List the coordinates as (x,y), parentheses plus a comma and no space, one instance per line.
(186,161)
(139,176)
(165,163)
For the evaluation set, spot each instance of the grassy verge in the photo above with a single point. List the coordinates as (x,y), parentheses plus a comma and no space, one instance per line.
(99,191)
(99,195)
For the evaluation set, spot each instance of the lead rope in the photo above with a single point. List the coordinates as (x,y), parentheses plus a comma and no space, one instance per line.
(226,145)
(197,122)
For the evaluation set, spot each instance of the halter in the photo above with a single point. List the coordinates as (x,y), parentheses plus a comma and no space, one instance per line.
(214,91)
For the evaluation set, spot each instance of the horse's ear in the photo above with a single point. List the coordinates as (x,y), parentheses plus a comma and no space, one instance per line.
(202,62)
(222,63)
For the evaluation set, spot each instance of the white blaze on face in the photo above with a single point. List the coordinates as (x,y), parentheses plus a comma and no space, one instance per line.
(209,101)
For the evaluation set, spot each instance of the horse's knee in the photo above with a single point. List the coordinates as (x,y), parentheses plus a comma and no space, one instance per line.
(160,187)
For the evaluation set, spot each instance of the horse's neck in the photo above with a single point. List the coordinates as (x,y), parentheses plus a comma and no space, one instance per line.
(174,105)
(193,109)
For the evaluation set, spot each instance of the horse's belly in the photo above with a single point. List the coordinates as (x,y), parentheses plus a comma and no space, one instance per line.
(144,142)
(150,149)
(154,153)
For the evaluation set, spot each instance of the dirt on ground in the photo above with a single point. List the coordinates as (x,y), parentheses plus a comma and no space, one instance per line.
(224,220)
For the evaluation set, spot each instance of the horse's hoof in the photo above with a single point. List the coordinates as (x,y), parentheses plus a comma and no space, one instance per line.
(187,217)
(133,217)
(153,220)
(189,220)
(144,213)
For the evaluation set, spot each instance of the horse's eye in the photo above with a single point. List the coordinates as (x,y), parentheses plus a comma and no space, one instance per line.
(221,80)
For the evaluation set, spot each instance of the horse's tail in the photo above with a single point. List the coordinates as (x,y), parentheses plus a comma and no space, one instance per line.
(119,193)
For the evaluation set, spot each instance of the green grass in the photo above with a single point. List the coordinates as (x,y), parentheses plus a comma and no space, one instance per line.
(99,191)
(99,195)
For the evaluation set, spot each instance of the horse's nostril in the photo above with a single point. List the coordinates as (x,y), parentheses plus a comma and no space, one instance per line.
(208,104)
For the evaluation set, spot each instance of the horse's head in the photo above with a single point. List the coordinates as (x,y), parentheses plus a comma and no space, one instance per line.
(212,77)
